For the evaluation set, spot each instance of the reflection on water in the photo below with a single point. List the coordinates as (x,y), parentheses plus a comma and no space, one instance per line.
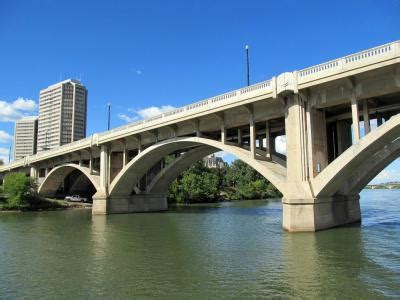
(220,250)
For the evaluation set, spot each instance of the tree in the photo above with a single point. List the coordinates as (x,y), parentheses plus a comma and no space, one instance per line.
(197,184)
(19,189)
(1,162)
(238,181)
(247,183)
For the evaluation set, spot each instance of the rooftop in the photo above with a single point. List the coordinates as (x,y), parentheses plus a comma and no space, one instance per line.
(70,80)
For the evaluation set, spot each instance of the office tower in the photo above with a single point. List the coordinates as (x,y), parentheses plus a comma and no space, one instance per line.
(62,114)
(214,162)
(25,137)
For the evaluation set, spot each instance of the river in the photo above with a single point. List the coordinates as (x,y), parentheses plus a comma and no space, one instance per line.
(231,250)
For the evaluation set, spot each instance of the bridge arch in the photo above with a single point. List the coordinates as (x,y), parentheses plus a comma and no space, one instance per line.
(163,180)
(129,176)
(358,165)
(57,176)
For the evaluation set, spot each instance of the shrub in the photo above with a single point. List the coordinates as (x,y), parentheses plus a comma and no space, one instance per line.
(19,189)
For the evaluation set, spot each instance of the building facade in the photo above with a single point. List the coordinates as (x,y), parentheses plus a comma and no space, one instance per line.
(214,162)
(62,114)
(25,137)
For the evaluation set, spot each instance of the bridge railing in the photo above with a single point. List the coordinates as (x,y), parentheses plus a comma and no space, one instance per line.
(349,62)
(196,107)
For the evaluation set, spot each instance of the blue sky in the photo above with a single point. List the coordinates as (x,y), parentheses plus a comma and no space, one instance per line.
(145,56)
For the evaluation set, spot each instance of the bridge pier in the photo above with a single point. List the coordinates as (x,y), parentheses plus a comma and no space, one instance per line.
(129,204)
(320,213)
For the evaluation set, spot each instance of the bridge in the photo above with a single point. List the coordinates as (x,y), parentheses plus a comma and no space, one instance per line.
(321,110)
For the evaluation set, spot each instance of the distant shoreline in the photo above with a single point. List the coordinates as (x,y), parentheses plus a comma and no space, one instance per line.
(383,186)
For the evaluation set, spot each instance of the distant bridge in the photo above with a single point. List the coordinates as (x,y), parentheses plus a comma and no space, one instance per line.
(319,109)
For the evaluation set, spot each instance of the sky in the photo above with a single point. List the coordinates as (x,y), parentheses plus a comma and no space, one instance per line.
(145,57)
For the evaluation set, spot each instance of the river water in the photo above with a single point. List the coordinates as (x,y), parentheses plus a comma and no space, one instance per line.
(233,250)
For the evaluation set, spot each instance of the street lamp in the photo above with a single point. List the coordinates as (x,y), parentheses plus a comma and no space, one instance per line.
(248,65)
(109,110)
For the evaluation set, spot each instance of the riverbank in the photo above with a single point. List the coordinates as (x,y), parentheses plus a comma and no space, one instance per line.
(45,204)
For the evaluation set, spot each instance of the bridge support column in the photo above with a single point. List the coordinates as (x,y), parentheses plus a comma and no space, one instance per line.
(124,155)
(34,173)
(240,136)
(367,124)
(223,133)
(252,137)
(356,120)
(321,213)
(139,143)
(268,140)
(317,140)
(343,129)
(90,163)
(101,199)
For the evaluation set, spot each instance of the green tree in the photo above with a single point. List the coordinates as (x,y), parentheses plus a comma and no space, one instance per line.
(246,183)
(1,162)
(18,189)
(197,184)
(238,181)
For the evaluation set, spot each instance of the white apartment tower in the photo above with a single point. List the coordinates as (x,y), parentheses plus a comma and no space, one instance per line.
(25,135)
(62,114)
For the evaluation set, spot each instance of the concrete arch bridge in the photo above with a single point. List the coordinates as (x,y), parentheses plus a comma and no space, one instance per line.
(325,112)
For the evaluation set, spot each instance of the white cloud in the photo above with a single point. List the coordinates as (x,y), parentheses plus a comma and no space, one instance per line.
(4,154)
(153,111)
(280,144)
(5,137)
(127,118)
(13,111)
(145,113)
(136,71)
(24,104)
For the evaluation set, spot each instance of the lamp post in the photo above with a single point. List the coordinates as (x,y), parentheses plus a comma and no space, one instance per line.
(248,65)
(9,155)
(109,110)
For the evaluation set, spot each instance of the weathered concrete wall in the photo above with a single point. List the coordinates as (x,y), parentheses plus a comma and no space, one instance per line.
(116,164)
(319,151)
(130,204)
(321,213)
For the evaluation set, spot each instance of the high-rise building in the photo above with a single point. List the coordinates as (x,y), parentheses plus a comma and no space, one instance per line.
(62,114)
(25,136)
(214,162)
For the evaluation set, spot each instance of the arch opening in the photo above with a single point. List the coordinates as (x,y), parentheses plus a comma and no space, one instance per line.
(69,180)
(211,180)
(359,164)
(130,176)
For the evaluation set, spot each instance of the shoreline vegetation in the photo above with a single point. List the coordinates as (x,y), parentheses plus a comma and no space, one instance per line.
(384,186)
(18,194)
